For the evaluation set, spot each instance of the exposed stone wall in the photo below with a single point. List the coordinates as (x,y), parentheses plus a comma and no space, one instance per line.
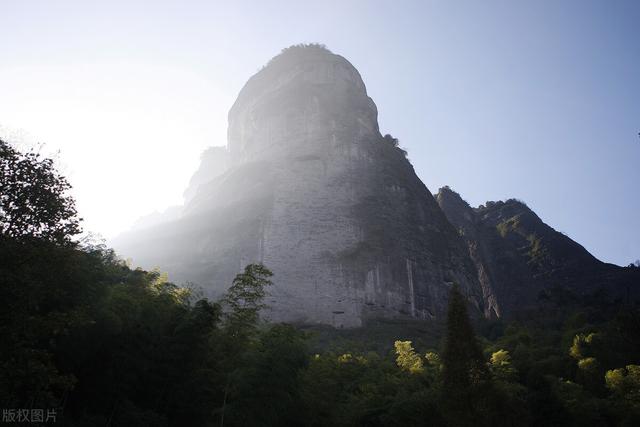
(352,231)
(315,193)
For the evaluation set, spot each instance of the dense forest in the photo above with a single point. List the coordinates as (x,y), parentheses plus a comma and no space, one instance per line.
(101,343)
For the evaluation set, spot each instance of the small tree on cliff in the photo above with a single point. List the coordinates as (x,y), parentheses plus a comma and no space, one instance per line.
(464,372)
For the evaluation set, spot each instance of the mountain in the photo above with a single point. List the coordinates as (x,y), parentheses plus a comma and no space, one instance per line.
(518,257)
(312,189)
(308,186)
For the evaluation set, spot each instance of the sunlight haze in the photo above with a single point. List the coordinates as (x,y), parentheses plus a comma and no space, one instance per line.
(495,99)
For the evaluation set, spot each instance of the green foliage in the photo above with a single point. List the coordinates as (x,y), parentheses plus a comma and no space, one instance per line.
(107,344)
(244,299)
(433,359)
(407,359)
(588,364)
(589,374)
(501,366)
(500,358)
(580,407)
(535,244)
(366,389)
(266,387)
(393,142)
(581,345)
(34,202)
(625,383)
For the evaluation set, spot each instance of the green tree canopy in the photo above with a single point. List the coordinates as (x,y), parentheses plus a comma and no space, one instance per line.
(34,198)
(407,359)
(245,298)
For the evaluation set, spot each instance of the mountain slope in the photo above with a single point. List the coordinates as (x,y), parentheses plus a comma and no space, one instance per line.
(517,256)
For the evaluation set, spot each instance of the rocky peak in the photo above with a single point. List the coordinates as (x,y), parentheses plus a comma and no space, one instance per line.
(302,97)
(457,210)
(315,193)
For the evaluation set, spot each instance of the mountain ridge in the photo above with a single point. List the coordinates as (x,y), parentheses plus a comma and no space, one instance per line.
(518,256)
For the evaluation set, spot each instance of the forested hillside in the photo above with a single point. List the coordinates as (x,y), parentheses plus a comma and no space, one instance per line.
(101,343)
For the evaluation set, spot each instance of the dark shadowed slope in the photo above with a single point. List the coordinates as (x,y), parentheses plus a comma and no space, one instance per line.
(517,255)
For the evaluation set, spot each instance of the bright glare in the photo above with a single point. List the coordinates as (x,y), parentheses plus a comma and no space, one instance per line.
(130,135)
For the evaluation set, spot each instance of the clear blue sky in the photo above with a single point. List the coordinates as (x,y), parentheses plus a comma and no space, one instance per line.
(538,100)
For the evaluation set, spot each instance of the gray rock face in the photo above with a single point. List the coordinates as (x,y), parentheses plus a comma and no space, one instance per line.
(315,193)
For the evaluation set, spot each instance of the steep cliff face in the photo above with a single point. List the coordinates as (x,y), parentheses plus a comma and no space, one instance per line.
(319,196)
(517,256)
(309,187)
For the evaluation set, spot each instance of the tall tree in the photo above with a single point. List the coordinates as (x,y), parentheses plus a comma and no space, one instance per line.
(242,302)
(244,299)
(464,370)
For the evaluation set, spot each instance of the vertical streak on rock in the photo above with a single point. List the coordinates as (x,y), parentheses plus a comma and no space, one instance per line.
(412,297)
(262,241)
(315,299)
